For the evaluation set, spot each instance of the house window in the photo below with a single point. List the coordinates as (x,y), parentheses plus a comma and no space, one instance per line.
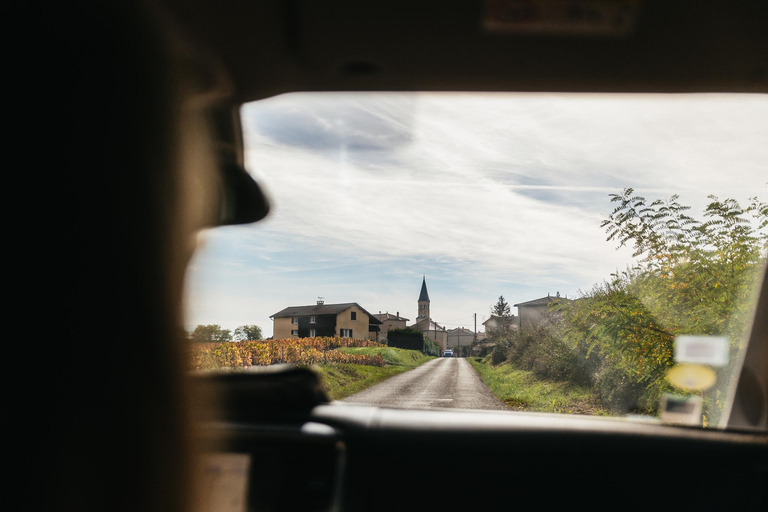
(346,333)
(294,332)
(312,319)
(295,320)
(354,315)
(312,333)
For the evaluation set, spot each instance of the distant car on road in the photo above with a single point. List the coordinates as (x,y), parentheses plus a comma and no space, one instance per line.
(448,353)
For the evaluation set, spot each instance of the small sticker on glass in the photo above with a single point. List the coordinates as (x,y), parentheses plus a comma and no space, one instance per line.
(683,410)
(691,377)
(708,350)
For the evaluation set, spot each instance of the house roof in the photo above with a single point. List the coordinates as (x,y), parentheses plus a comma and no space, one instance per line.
(543,301)
(322,309)
(496,318)
(460,330)
(424,296)
(389,316)
(427,324)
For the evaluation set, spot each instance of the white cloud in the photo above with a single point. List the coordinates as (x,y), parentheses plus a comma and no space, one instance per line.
(504,191)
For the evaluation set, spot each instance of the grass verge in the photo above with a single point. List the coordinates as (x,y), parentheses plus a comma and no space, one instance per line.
(342,380)
(522,391)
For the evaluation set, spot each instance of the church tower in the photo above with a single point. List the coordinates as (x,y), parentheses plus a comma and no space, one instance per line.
(423,301)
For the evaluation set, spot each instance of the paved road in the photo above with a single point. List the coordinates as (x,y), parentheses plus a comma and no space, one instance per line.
(443,382)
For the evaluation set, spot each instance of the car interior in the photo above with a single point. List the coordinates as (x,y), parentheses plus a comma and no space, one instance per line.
(154,94)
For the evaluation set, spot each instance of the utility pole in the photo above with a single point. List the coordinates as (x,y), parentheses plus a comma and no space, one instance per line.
(474,337)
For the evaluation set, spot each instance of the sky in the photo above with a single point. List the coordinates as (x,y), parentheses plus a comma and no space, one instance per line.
(482,194)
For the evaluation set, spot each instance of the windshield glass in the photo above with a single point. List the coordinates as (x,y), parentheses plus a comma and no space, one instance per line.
(584,254)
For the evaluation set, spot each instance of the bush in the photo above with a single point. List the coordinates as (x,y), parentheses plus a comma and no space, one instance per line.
(541,350)
(412,339)
(484,350)
(499,354)
(407,338)
(620,392)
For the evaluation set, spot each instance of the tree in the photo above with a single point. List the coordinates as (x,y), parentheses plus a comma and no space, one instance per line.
(694,275)
(501,312)
(691,277)
(247,333)
(211,333)
(501,308)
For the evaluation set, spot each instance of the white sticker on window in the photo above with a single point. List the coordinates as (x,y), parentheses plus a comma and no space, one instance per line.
(683,410)
(709,350)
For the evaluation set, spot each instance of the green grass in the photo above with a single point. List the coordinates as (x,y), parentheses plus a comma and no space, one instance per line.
(343,380)
(392,356)
(523,391)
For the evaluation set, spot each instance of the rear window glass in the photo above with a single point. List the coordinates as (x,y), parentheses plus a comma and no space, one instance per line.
(583,254)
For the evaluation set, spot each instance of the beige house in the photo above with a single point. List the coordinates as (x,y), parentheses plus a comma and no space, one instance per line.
(536,312)
(459,337)
(433,331)
(347,320)
(389,321)
(495,323)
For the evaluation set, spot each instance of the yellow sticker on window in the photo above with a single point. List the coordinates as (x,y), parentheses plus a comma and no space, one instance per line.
(691,377)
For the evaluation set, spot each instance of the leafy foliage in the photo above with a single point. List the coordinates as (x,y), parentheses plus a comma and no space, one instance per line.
(501,308)
(211,333)
(692,277)
(541,349)
(501,314)
(303,351)
(412,339)
(247,333)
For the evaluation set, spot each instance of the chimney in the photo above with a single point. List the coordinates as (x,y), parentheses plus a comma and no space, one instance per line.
(398,314)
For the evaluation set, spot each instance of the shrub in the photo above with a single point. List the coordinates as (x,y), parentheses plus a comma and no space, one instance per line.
(499,354)
(412,339)
(620,392)
(484,350)
(541,349)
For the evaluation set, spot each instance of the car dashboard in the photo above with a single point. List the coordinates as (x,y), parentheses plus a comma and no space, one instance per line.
(321,455)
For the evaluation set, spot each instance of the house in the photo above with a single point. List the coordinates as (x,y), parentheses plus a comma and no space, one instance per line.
(347,320)
(496,323)
(389,321)
(459,337)
(536,312)
(425,324)
(433,331)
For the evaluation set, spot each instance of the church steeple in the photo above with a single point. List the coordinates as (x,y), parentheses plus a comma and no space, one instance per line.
(423,301)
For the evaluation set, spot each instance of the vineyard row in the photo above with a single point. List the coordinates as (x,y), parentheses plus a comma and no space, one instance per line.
(303,351)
